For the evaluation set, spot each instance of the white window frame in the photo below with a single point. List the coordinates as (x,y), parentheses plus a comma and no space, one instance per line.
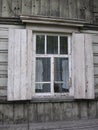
(52,60)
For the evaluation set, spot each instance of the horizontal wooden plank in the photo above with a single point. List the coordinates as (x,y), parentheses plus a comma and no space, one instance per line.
(95,38)
(3,33)
(3,67)
(95,59)
(96,70)
(3,92)
(3,57)
(3,81)
(4,44)
(95,48)
(3,72)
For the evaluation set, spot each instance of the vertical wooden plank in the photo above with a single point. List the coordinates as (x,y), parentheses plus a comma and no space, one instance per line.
(26,7)
(8,113)
(64,9)
(0,7)
(92,109)
(83,110)
(20,62)
(10,90)
(40,112)
(67,111)
(72,10)
(29,90)
(89,66)
(23,65)
(1,113)
(18,113)
(6,6)
(78,68)
(17,64)
(48,112)
(45,7)
(54,8)
(75,110)
(57,111)
(81,9)
(16,7)
(36,7)
(33,112)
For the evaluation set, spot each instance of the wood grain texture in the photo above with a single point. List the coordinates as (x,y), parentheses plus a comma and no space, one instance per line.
(6,6)
(18,66)
(26,7)
(83,66)
(79,65)
(89,66)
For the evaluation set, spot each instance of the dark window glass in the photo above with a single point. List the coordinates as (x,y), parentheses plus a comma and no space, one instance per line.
(52,44)
(42,69)
(42,87)
(61,74)
(40,44)
(63,45)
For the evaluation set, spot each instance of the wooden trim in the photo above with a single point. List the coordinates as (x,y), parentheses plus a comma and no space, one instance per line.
(51,21)
(9,20)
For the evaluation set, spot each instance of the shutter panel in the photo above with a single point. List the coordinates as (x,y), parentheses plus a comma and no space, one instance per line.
(19,64)
(83,75)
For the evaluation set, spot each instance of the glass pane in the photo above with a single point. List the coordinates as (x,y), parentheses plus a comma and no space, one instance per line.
(60,88)
(42,69)
(63,45)
(61,71)
(40,44)
(52,44)
(39,88)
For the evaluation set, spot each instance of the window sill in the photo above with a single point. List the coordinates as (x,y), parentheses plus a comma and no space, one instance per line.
(50,99)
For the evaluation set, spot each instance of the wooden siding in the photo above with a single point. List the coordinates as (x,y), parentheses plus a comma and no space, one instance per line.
(3,60)
(67,9)
(95,11)
(95,60)
(30,112)
(4,57)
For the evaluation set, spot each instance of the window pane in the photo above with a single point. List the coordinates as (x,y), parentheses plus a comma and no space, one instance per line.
(61,71)
(52,44)
(60,88)
(42,69)
(63,45)
(40,44)
(39,88)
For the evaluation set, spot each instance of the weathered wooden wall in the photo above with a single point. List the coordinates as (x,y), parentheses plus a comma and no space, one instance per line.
(25,112)
(95,11)
(67,9)
(95,59)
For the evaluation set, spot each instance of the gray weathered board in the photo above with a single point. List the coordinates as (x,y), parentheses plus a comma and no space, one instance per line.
(67,9)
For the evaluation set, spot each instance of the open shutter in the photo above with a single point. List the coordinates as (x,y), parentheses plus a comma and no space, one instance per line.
(19,64)
(83,75)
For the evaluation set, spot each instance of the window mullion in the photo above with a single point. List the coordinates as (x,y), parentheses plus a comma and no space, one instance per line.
(45,44)
(52,75)
(69,58)
(58,44)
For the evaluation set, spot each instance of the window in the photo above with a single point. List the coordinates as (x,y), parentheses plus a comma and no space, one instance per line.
(52,59)
(44,66)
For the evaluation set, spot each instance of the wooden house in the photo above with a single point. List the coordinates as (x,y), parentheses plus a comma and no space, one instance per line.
(48,60)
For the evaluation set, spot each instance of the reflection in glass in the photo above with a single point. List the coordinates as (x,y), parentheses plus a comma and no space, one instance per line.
(52,44)
(42,87)
(42,69)
(63,45)
(40,44)
(61,74)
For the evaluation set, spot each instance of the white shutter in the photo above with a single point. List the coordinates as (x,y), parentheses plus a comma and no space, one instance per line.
(19,64)
(83,75)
